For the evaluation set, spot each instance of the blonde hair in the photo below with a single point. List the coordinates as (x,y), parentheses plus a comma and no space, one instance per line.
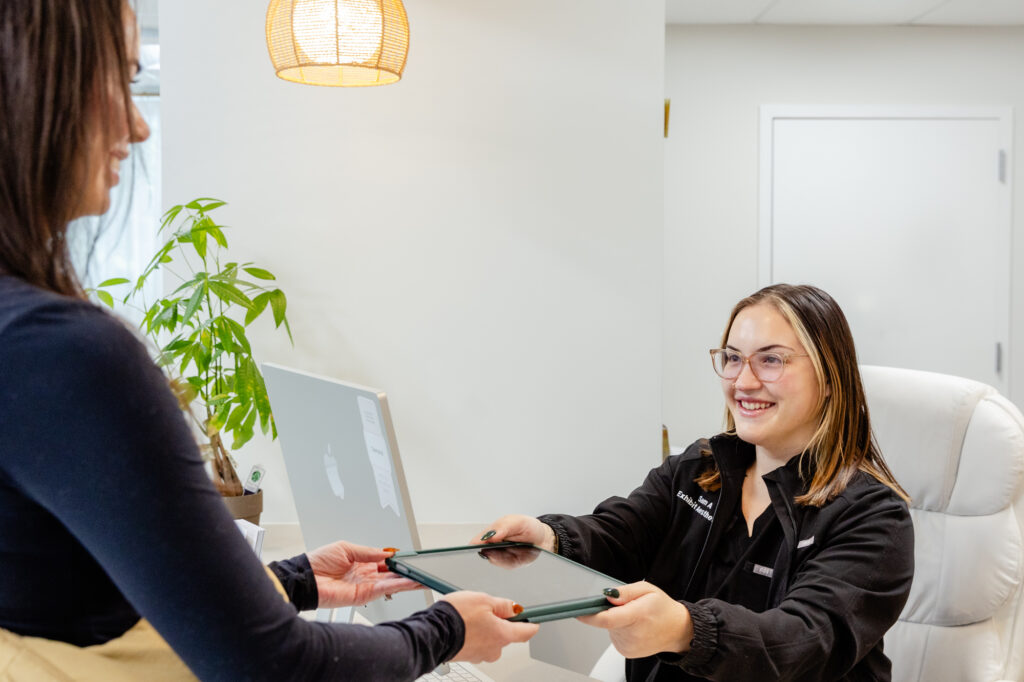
(843,442)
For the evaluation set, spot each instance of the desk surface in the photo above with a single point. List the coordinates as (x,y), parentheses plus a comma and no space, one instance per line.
(284,540)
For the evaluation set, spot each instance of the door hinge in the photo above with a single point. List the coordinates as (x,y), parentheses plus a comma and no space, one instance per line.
(999,358)
(1002,166)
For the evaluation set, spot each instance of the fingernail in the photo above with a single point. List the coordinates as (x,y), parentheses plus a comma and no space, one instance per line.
(489,534)
(517,609)
(391,549)
(611,592)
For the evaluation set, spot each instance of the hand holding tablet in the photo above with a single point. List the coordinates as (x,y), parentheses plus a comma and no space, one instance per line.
(548,586)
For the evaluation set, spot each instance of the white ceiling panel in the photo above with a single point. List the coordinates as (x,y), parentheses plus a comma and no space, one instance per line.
(714,11)
(886,12)
(976,13)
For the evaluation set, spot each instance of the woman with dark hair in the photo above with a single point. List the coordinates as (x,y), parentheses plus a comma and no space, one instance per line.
(781,549)
(107,515)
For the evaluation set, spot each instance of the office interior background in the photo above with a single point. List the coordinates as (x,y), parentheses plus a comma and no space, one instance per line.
(506,242)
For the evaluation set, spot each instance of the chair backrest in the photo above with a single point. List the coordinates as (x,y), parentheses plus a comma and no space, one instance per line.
(957,447)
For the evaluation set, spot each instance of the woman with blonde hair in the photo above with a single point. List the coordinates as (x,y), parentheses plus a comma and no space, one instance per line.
(781,549)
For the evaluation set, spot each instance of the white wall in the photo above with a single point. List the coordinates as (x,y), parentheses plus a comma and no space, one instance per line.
(481,240)
(717,78)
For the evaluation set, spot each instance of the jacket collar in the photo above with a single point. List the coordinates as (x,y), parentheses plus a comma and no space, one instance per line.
(733,455)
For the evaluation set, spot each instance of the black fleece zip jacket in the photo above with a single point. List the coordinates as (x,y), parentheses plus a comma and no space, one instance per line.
(840,581)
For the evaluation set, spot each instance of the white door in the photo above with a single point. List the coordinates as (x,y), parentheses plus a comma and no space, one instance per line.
(904,217)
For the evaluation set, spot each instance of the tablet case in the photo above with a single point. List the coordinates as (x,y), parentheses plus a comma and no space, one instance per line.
(533,613)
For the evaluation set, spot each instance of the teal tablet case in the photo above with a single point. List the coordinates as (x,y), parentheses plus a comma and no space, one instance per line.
(532,613)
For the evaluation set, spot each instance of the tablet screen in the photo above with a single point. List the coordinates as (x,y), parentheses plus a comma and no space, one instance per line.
(523,573)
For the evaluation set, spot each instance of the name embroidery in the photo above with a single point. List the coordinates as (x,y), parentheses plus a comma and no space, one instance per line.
(805,543)
(700,507)
(763,570)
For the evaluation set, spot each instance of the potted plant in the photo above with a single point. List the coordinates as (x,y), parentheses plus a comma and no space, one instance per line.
(200,329)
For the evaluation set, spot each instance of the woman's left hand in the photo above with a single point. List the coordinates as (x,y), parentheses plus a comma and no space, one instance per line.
(352,575)
(644,621)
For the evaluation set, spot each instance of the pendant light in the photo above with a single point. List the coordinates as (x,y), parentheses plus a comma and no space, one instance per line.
(338,42)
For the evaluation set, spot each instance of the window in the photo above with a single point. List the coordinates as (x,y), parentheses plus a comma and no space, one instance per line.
(121,242)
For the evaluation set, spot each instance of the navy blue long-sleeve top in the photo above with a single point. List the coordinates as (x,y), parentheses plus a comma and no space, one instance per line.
(107,514)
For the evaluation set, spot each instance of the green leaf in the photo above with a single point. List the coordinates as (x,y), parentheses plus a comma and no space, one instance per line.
(218,419)
(243,434)
(229,293)
(113,282)
(243,382)
(202,352)
(189,358)
(197,279)
(194,302)
(168,315)
(236,417)
(258,273)
(147,319)
(105,297)
(218,236)
(210,204)
(278,303)
(259,304)
(224,335)
(260,399)
(239,332)
(218,399)
(176,345)
(154,262)
(199,242)
(169,216)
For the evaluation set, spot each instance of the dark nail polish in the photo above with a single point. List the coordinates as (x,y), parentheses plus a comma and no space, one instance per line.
(611,592)
(488,535)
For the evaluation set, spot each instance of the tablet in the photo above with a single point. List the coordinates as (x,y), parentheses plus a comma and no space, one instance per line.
(546,585)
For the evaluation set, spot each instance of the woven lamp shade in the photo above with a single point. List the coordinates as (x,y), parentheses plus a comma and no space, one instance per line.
(338,42)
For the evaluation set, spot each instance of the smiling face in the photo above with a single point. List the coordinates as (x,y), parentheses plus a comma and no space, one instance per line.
(781,416)
(114,128)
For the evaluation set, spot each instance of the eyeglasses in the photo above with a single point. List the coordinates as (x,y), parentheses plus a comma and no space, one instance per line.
(766,366)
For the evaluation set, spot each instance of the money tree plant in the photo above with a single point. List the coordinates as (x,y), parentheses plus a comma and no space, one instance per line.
(200,330)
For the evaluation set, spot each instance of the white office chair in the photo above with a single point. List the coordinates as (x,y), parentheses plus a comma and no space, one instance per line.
(957,447)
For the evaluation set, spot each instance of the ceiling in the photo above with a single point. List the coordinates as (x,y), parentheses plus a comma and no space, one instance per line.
(847,12)
(807,12)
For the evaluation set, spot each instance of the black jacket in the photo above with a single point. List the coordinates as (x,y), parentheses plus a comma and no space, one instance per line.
(839,583)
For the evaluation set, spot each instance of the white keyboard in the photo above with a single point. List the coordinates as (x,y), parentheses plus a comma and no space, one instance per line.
(457,672)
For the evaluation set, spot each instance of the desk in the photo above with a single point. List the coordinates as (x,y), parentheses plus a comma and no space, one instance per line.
(516,664)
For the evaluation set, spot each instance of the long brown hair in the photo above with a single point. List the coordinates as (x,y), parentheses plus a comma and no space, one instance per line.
(843,443)
(57,58)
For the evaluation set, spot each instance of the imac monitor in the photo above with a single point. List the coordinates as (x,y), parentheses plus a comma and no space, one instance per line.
(346,476)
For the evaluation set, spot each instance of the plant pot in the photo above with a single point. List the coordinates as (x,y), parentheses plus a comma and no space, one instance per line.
(248,507)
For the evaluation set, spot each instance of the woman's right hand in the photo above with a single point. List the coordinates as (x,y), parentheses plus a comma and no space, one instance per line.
(518,528)
(487,631)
